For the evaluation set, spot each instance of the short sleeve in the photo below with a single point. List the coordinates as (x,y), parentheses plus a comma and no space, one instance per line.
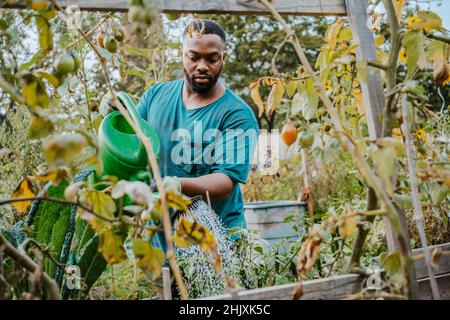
(234,150)
(145,101)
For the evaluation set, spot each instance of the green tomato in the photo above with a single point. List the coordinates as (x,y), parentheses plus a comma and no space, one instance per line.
(60,77)
(173,16)
(77,59)
(135,13)
(149,15)
(111,44)
(306,139)
(119,34)
(135,3)
(65,64)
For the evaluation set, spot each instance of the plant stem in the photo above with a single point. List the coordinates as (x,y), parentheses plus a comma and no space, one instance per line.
(26,262)
(62,201)
(418,213)
(9,89)
(439,38)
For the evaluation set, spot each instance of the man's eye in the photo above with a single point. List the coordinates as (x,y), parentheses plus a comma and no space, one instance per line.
(193,58)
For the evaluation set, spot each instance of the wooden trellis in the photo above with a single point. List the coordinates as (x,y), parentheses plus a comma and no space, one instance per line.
(356,10)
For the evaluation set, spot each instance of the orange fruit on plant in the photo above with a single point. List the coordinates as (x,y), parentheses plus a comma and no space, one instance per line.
(289,133)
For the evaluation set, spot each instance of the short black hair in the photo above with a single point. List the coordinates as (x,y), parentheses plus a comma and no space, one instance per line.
(210,27)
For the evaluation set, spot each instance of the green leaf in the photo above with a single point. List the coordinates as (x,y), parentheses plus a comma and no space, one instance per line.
(62,149)
(438,193)
(3,25)
(291,87)
(40,128)
(138,51)
(404,201)
(36,57)
(391,263)
(150,259)
(138,72)
(50,78)
(34,91)
(385,160)
(306,99)
(413,41)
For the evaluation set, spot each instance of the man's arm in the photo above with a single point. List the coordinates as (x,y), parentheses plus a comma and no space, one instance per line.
(218,185)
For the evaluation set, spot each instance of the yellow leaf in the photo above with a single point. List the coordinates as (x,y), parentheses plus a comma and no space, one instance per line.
(50,78)
(40,127)
(347,226)
(379,40)
(274,99)
(358,102)
(103,205)
(111,247)
(149,259)
(39,5)
(23,190)
(55,176)
(45,34)
(177,201)
(33,90)
(62,149)
(332,34)
(398,5)
(191,232)
(291,87)
(428,21)
(254,93)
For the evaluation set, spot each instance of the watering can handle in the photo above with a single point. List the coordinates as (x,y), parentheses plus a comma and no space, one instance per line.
(129,104)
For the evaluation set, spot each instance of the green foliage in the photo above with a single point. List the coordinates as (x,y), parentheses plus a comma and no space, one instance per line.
(50,225)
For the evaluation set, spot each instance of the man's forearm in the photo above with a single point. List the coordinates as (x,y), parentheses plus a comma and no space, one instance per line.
(218,185)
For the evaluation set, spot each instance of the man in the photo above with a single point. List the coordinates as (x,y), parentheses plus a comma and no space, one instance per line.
(208,134)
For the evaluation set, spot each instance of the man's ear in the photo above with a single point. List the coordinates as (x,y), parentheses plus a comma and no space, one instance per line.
(225,57)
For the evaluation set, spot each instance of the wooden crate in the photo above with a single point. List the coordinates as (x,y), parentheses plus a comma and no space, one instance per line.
(267,217)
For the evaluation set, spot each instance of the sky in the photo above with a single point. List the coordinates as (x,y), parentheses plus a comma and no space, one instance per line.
(443,11)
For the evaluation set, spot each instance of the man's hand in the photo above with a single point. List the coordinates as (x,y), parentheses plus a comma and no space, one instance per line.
(106,105)
(172,183)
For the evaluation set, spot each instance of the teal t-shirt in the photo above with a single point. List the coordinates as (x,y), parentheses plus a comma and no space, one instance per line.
(219,137)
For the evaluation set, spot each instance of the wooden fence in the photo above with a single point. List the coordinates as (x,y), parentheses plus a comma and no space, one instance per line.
(340,287)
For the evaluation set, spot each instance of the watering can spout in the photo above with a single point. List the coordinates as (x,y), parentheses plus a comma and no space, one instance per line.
(121,152)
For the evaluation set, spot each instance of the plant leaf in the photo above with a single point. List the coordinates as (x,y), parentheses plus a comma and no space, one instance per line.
(62,149)
(254,93)
(111,247)
(275,96)
(149,259)
(40,127)
(23,190)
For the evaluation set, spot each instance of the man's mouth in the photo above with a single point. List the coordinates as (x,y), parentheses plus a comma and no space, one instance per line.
(202,79)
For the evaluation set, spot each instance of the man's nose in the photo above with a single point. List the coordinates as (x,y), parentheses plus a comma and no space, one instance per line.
(202,66)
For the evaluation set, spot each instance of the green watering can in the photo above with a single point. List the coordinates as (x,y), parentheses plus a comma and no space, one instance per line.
(121,152)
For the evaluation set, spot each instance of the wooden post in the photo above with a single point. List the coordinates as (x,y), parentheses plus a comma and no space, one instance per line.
(167,284)
(291,7)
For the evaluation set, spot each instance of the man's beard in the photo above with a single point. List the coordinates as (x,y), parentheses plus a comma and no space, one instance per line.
(204,87)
